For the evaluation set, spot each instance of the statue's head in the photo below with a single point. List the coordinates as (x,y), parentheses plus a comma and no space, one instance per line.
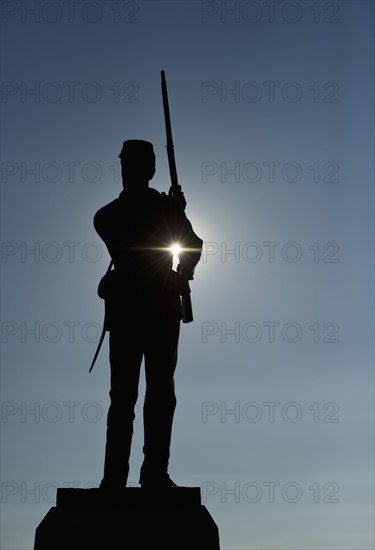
(137,162)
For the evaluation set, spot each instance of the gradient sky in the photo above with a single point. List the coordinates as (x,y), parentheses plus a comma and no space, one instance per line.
(273,120)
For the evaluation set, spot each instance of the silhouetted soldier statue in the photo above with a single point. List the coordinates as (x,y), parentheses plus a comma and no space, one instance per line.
(143,312)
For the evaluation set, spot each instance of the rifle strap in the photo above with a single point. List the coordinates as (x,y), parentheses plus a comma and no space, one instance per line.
(103,329)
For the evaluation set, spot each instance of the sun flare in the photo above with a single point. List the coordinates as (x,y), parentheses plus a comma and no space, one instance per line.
(175,249)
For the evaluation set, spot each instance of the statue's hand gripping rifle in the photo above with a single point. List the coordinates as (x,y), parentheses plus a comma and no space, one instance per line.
(175,190)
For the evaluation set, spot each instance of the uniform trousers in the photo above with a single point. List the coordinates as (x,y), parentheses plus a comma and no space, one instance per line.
(153,338)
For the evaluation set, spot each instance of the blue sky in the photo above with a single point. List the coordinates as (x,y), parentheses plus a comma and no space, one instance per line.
(273,120)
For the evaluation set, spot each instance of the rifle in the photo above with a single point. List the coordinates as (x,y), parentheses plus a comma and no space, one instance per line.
(187,311)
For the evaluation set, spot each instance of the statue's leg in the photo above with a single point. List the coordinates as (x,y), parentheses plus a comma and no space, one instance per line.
(125,359)
(160,400)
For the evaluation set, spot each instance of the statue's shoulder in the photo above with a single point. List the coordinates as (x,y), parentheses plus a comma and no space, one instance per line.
(155,194)
(106,212)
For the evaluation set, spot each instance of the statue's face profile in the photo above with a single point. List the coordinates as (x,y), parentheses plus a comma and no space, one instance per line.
(138,170)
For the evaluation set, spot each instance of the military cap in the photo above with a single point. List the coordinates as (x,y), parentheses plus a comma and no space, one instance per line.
(137,148)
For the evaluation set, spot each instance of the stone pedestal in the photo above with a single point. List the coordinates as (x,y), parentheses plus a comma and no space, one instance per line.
(129,518)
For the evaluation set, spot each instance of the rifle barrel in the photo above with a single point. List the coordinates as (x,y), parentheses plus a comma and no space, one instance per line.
(168,129)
